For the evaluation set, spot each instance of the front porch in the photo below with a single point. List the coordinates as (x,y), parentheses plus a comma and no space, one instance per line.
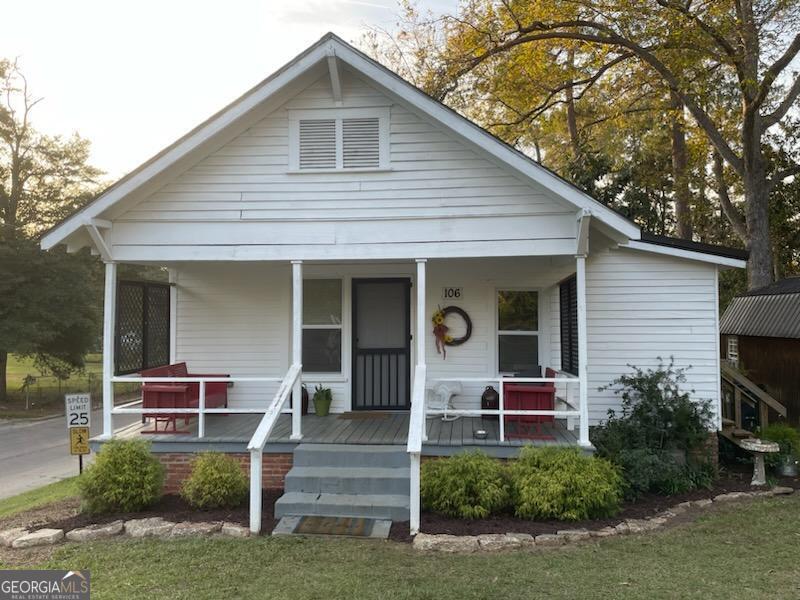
(233,432)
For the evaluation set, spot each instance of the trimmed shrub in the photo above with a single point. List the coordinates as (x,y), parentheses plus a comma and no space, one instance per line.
(125,477)
(469,485)
(216,481)
(660,430)
(786,436)
(564,484)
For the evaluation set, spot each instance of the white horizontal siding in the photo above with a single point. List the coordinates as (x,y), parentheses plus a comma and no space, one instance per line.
(235,318)
(437,190)
(641,306)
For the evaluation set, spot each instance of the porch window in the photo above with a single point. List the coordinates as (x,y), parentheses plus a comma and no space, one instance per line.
(517,331)
(322,325)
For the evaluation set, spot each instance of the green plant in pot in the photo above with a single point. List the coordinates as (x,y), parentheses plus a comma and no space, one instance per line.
(322,400)
(788,439)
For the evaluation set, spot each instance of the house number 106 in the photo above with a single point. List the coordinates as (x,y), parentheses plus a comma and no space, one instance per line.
(452,293)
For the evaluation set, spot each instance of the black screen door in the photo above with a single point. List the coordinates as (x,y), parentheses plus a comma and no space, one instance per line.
(381,344)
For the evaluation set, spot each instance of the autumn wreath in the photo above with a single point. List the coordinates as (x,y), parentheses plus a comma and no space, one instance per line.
(440,329)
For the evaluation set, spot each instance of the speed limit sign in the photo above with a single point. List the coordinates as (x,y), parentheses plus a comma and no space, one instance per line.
(79,410)
(79,419)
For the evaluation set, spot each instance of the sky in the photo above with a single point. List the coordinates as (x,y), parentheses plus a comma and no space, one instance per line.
(133,76)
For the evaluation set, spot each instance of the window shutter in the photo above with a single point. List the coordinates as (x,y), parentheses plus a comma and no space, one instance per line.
(317,144)
(361,143)
(568,309)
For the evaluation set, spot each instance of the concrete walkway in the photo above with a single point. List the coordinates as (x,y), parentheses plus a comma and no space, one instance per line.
(35,453)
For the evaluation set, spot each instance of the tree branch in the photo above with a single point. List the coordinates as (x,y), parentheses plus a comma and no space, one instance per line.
(728,209)
(539,31)
(775,69)
(779,176)
(776,115)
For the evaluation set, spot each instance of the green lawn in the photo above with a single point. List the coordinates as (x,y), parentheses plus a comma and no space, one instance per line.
(66,488)
(748,551)
(46,396)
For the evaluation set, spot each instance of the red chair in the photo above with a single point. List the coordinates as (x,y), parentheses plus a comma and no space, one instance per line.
(528,396)
(179,395)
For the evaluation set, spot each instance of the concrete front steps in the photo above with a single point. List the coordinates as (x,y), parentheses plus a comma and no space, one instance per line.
(335,480)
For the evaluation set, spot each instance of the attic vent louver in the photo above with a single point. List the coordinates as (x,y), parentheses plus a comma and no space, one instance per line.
(317,144)
(361,143)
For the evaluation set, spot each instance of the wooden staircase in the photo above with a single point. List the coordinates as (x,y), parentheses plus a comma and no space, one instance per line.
(740,392)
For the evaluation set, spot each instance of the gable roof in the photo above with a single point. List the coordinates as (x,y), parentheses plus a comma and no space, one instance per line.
(770,311)
(331,45)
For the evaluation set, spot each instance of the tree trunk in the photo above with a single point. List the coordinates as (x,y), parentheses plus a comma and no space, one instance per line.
(680,175)
(759,265)
(3,375)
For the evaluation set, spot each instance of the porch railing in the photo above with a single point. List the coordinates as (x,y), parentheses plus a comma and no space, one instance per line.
(417,431)
(502,411)
(201,411)
(259,439)
(416,434)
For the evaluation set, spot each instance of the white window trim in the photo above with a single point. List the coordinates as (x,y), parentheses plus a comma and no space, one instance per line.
(498,332)
(381,113)
(733,340)
(331,376)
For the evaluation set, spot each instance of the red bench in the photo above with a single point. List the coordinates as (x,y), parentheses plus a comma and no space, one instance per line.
(179,395)
(529,396)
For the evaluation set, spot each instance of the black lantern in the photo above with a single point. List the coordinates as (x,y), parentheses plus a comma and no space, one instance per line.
(490,400)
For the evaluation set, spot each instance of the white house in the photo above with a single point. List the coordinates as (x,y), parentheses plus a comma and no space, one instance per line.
(311,229)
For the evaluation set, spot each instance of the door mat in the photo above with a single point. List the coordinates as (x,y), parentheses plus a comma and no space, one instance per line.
(363,415)
(335,526)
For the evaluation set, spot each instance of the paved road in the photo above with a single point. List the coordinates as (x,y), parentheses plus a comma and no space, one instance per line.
(35,453)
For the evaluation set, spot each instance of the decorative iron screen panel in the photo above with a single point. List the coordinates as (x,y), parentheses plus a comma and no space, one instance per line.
(142,326)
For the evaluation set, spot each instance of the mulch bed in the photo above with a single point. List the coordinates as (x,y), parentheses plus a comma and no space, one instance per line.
(734,478)
(172,508)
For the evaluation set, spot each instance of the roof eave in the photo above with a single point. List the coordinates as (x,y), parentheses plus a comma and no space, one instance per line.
(391,81)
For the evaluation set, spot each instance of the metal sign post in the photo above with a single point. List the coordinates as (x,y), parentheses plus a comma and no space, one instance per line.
(79,417)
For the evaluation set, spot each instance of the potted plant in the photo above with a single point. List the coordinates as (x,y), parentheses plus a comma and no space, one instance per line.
(788,439)
(322,400)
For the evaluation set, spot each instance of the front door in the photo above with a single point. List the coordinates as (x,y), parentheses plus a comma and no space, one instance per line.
(381,344)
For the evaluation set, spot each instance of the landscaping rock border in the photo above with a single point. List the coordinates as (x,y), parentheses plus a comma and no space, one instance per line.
(426,542)
(152,527)
(157,527)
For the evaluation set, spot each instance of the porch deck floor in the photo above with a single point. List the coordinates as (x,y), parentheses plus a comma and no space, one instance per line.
(377,428)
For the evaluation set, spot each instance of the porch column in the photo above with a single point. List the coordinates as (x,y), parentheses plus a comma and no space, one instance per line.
(109,310)
(421,329)
(421,321)
(580,278)
(297,347)
(173,315)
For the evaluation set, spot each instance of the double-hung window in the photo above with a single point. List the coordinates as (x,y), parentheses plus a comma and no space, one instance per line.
(322,325)
(733,349)
(518,331)
(339,140)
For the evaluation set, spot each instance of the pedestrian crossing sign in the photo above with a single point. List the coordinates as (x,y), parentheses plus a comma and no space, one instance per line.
(78,440)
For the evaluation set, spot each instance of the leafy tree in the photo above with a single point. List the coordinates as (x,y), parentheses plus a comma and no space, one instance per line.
(714,68)
(49,301)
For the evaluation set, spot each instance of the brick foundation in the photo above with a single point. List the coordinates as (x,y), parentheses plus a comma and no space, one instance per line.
(178,465)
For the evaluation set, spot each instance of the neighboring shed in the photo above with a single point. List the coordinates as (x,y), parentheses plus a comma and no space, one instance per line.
(760,333)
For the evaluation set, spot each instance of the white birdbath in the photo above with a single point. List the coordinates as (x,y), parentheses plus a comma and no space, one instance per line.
(759,448)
